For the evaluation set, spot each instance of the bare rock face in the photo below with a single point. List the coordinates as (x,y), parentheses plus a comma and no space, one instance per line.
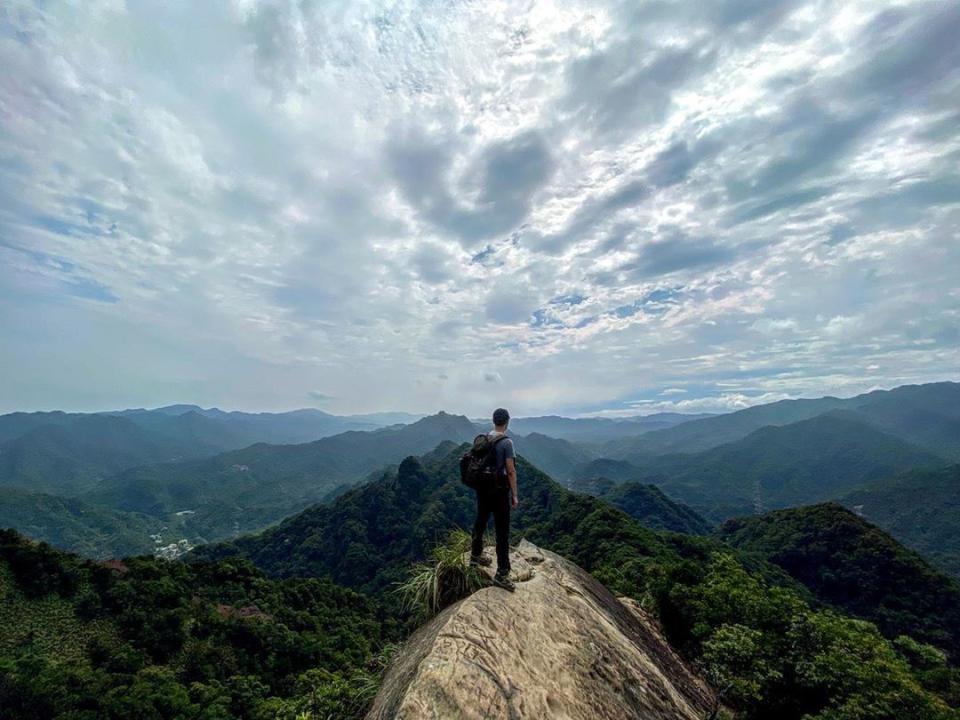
(561,646)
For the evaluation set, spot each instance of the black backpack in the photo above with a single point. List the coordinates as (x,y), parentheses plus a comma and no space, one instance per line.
(478,466)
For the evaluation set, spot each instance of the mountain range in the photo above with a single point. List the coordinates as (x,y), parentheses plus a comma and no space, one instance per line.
(139,480)
(598,430)
(300,617)
(820,458)
(247,489)
(926,415)
(367,539)
(184,472)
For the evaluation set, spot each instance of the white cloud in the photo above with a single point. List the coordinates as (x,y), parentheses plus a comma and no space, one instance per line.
(230,203)
(727,402)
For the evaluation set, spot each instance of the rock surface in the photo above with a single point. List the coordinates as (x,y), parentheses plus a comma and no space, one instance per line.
(561,646)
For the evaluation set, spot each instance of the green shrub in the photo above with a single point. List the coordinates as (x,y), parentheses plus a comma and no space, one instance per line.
(434,585)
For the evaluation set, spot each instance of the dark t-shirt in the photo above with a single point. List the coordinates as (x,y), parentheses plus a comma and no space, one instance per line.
(505,451)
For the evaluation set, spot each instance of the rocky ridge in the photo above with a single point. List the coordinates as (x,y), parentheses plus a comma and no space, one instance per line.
(561,646)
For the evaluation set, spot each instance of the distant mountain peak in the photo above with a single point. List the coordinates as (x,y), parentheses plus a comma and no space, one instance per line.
(181,409)
(442,419)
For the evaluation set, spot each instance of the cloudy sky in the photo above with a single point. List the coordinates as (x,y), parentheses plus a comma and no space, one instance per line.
(557,206)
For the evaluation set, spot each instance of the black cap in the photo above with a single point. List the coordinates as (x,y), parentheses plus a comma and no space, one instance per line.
(500,417)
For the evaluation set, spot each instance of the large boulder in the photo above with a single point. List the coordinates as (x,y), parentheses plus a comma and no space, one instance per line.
(561,646)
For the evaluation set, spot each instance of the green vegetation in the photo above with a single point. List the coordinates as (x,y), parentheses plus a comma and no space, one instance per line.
(77,526)
(148,638)
(446,578)
(921,509)
(805,462)
(926,415)
(368,537)
(72,457)
(771,655)
(101,499)
(249,489)
(647,505)
(614,470)
(135,471)
(855,567)
(557,458)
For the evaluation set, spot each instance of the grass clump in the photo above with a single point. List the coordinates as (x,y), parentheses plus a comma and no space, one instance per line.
(446,578)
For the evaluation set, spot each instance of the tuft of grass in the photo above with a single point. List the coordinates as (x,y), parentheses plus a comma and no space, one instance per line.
(445,579)
(367,681)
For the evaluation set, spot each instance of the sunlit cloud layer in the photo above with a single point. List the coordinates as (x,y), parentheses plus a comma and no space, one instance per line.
(558,206)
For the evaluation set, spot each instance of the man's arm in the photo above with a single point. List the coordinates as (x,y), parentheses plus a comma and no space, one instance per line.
(511,467)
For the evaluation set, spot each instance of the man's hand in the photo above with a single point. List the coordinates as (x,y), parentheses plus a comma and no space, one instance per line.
(515,501)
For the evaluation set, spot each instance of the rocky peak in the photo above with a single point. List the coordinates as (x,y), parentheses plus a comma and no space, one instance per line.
(560,646)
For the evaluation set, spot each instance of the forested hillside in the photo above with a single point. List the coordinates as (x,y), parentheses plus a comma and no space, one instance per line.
(147,638)
(646,504)
(248,489)
(68,453)
(116,465)
(921,509)
(93,531)
(854,566)
(824,457)
(368,537)
(74,456)
(558,458)
(616,470)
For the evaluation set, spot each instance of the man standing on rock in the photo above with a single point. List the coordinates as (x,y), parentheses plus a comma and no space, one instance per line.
(497,500)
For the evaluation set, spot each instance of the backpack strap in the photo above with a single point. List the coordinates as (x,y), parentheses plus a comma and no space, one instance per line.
(493,451)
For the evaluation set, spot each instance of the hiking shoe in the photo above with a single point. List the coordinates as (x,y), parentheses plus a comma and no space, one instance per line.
(504,581)
(479,561)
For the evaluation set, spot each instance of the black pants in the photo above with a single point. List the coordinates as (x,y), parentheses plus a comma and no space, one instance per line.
(498,503)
